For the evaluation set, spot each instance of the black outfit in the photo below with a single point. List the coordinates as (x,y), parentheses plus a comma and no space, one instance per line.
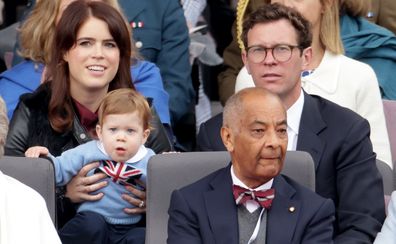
(30,126)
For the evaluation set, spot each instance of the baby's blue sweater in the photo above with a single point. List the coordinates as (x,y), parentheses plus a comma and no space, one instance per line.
(111,206)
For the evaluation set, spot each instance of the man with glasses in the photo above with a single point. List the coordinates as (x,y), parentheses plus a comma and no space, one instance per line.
(280,52)
(277,51)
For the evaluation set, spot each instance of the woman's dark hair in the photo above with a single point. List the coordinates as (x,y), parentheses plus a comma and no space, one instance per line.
(75,15)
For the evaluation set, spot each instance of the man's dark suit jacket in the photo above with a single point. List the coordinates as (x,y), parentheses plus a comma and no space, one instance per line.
(338,141)
(205,212)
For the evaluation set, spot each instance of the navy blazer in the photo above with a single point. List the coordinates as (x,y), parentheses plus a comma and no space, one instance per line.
(205,212)
(162,38)
(339,143)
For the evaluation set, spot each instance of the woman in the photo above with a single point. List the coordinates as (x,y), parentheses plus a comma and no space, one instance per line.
(60,114)
(332,75)
(369,43)
(40,27)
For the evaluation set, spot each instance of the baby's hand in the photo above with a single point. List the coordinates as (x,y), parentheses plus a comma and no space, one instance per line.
(35,152)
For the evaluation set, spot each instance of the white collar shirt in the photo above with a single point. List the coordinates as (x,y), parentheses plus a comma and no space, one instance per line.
(293,122)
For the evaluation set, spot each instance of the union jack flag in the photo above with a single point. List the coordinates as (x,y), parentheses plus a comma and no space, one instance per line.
(119,172)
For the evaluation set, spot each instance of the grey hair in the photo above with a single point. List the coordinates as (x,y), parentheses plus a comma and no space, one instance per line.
(3,125)
(233,109)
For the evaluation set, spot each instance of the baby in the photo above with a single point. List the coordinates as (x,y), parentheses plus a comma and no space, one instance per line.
(122,129)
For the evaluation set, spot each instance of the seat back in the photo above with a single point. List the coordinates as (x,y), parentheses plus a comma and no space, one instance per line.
(167,172)
(390,117)
(387,176)
(38,173)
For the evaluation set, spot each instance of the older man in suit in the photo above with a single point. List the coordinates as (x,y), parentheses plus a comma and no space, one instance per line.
(248,201)
(337,138)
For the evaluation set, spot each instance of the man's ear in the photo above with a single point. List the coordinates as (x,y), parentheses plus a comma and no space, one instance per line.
(99,132)
(245,61)
(307,58)
(227,137)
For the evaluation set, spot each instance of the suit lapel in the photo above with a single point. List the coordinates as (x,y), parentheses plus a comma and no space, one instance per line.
(283,215)
(132,8)
(221,208)
(311,125)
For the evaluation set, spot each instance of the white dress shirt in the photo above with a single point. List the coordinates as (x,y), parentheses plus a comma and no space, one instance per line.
(293,122)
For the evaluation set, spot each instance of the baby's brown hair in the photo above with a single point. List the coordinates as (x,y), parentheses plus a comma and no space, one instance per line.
(122,101)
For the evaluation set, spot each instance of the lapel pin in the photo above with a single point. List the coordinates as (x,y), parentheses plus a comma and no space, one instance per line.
(292,209)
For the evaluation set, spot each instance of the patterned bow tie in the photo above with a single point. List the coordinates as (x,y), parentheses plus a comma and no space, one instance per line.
(119,172)
(264,198)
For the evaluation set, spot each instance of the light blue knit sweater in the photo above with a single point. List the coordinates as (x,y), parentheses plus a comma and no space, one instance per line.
(111,206)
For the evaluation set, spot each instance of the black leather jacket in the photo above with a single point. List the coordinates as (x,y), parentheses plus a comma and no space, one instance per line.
(30,126)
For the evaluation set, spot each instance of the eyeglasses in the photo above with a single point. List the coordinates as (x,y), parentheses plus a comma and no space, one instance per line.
(280,52)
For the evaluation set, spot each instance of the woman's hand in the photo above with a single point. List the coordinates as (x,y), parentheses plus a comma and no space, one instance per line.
(137,198)
(35,152)
(81,185)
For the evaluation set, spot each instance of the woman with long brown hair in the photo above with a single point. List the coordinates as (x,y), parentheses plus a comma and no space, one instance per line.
(61,113)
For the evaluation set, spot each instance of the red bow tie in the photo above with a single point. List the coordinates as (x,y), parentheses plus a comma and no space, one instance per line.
(264,198)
